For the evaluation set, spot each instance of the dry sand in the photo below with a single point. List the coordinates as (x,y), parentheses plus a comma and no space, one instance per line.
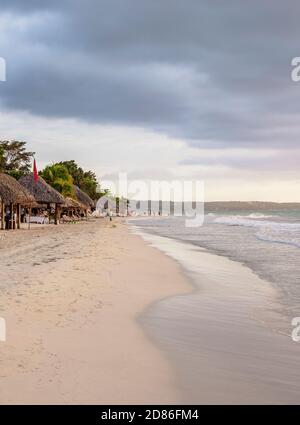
(70,296)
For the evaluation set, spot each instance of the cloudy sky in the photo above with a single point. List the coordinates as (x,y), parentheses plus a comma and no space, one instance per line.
(170,89)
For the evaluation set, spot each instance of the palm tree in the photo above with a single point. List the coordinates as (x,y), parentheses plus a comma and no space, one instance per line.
(59,178)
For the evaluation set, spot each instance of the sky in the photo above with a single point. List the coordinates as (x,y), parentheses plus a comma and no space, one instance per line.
(158,89)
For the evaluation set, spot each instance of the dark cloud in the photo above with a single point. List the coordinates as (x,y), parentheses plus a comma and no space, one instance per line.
(29,5)
(214,73)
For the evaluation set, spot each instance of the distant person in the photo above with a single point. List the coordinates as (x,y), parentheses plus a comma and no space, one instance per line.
(110,215)
(23,215)
(7,220)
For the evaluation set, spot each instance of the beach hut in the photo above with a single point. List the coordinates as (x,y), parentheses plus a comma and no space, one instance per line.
(71,203)
(43,193)
(84,199)
(72,206)
(72,209)
(14,196)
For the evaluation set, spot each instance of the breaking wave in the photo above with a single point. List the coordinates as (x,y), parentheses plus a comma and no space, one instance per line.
(267,230)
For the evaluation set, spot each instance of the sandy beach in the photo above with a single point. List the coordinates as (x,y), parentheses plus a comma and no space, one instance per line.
(70,296)
(101,313)
(149,205)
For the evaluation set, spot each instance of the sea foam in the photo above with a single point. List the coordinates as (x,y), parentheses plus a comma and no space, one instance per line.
(267,230)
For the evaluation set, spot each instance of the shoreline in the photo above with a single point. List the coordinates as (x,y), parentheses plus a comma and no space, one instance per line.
(103,313)
(71,299)
(221,339)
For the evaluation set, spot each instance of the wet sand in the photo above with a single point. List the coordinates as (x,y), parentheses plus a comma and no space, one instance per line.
(70,296)
(97,316)
(221,338)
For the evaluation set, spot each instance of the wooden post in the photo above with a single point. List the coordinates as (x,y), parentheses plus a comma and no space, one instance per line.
(57,214)
(29,218)
(11,215)
(48,209)
(18,216)
(2,215)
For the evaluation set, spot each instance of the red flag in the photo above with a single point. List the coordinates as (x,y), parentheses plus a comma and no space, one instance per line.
(35,171)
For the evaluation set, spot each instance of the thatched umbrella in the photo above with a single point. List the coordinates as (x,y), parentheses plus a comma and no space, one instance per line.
(84,199)
(43,193)
(71,203)
(13,193)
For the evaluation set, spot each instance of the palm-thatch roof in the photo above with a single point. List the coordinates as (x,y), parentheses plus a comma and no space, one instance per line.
(83,198)
(42,191)
(11,191)
(72,203)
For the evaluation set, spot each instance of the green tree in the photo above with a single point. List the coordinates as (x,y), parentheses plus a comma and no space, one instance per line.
(85,180)
(14,158)
(59,178)
(76,172)
(2,159)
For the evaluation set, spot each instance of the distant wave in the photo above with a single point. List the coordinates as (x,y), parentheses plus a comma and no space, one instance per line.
(259,215)
(269,231)
(237,220)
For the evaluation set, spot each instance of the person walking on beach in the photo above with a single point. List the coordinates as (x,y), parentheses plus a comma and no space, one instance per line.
(110,215)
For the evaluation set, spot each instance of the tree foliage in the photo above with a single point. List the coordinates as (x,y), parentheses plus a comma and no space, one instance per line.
(85,180)
(59,178)
(17,161)
(14,158)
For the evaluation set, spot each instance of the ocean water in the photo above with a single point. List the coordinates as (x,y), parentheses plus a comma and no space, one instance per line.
(269,244)
(229,338)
